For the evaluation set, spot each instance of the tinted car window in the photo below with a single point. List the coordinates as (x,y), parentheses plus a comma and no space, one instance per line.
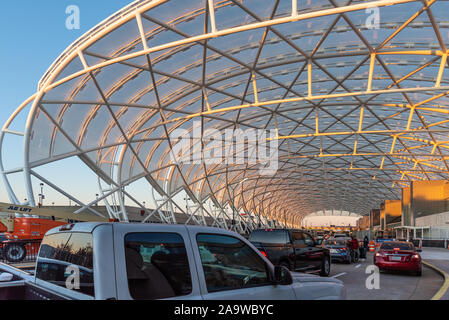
(66,257)
(298,239)
(396,245)
(229,263)
(308,240)
(269,236)
(157,266)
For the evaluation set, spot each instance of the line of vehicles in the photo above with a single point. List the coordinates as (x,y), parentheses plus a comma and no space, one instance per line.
(104,260)
(153,261)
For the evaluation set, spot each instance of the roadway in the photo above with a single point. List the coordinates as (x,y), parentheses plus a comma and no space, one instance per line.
(392,285)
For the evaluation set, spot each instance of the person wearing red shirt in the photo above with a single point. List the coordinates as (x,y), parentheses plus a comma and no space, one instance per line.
(354,243)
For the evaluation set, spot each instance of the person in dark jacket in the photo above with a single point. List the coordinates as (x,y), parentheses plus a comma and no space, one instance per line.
(365,248)
(366,242)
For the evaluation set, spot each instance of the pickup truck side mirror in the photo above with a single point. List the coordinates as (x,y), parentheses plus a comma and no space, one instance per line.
(6,277)
(282,276)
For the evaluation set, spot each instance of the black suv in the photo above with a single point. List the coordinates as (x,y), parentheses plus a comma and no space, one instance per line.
(294,249)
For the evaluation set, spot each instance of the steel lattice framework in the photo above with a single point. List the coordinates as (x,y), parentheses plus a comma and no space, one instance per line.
(359,112)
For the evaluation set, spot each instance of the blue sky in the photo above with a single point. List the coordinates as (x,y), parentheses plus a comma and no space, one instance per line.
(33,33)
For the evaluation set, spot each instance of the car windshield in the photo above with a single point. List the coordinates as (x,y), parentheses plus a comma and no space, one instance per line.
(396,246)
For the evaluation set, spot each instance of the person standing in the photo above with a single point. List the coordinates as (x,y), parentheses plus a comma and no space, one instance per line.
(365,246)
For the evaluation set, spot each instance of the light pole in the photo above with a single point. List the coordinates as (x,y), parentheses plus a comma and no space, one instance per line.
(41,195)
(187,199)
(260,214)
(233,202)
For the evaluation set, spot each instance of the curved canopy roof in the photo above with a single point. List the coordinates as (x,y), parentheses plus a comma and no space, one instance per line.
(355,91)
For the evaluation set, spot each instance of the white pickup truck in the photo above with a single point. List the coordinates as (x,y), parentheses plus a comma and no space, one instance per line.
(110,261)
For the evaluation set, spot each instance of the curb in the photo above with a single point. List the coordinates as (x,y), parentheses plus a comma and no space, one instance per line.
(445,285)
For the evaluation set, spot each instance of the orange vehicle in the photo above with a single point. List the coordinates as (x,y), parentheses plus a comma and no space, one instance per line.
(22,236)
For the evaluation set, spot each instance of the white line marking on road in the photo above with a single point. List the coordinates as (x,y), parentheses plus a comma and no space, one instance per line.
(339,275)
(358,266)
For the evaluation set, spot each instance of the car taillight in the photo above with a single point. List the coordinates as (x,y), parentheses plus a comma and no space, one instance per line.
(264,253)
(379,254)
(344,249)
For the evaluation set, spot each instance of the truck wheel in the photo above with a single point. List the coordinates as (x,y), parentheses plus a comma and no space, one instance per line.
(15,252)
(325,267)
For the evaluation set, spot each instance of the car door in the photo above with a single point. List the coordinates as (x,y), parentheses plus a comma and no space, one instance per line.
(231,269)
(314,254)
(301,249)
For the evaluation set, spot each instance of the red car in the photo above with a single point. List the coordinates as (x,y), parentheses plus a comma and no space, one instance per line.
(398,255)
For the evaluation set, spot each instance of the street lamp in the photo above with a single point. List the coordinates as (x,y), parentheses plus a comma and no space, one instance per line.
(41,195)
(233,201)
(260,215)
(96,203)
(187,199)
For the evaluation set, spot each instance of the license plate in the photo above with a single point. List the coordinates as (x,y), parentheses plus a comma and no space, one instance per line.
(396,258)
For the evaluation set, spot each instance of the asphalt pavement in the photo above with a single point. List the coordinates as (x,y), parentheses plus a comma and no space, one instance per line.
(391,285)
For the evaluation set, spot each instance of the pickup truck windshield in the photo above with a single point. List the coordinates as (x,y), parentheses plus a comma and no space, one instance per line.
(269,236)
(66,260)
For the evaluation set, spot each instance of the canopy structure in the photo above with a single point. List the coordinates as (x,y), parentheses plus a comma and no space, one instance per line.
(354,91)
(336,213)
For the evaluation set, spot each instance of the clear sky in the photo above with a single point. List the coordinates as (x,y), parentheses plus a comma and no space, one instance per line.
(33,33)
